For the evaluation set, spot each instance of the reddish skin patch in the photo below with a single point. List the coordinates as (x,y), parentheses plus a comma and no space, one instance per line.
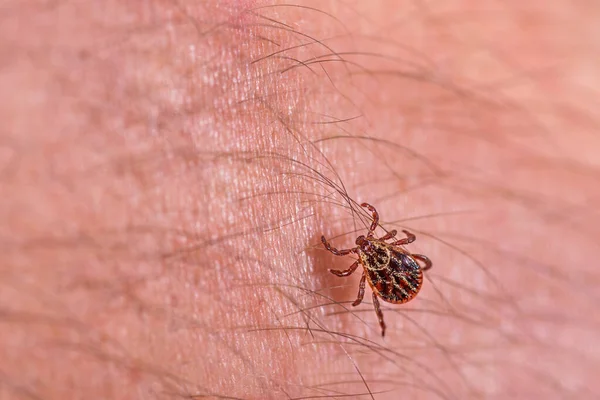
(392,272)
(240,10)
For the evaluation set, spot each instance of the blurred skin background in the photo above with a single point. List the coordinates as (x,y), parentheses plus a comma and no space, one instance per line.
(168,167)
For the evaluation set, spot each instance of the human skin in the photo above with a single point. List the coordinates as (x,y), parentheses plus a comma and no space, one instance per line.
(167,170)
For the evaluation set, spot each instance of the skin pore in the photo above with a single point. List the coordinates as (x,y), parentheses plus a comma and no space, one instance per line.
(167,169)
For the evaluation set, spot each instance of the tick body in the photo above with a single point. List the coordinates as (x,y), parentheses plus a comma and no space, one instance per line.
(393,273)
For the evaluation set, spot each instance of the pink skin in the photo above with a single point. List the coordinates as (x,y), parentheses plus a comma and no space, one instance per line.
(166,170)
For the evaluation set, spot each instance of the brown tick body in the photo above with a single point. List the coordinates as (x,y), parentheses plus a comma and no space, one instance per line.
(392,272)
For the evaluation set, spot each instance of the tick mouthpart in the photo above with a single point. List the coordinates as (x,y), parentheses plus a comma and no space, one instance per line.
(360,240)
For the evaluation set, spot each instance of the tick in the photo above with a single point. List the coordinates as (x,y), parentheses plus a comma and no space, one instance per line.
(392,272)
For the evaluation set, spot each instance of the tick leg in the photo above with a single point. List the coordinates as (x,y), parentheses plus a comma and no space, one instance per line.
(375,217)
(361,290)
(345,272)
(389,235)
(379,314)
(425,259)
(408,239)
(334,250)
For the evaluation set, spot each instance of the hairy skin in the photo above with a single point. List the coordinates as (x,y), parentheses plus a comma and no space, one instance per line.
(167,169)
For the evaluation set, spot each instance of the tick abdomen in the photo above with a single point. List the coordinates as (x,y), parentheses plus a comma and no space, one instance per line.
(395,276)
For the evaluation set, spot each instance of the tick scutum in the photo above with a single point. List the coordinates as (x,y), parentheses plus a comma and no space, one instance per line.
(393,274)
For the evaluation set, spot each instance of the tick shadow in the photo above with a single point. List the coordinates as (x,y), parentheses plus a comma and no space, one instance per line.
(340,290)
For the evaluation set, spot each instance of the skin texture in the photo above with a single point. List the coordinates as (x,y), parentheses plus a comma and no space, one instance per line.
(168,168)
